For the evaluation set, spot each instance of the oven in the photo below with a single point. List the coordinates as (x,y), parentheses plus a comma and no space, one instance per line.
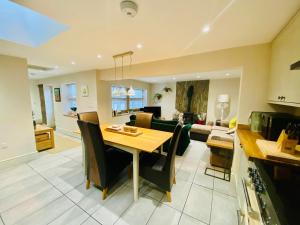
(265,199)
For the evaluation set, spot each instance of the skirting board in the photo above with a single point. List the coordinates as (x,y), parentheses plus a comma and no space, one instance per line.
(19,159)
(68,132)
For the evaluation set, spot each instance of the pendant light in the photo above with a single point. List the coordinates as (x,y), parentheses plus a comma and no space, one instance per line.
(131,91)
(121,91)
(116,91)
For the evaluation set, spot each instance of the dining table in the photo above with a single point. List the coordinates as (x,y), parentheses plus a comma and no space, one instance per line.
(149,140)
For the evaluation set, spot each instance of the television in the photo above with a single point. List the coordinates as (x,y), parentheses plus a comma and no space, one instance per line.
(156,110)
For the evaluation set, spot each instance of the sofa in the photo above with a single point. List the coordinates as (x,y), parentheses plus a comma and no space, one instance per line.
(169,126)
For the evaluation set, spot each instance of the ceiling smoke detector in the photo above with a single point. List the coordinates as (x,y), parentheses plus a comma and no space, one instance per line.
(129,8)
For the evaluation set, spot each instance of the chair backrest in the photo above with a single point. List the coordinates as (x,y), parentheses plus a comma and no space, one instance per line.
(94,145)
(143,120)
(169,165)
(91,117)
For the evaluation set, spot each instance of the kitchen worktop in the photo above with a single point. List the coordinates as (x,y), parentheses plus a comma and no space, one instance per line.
(248,143)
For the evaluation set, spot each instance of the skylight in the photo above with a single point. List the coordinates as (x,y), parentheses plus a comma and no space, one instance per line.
(24,26)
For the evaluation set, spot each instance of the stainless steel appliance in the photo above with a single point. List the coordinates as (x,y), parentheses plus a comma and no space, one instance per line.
(264,196)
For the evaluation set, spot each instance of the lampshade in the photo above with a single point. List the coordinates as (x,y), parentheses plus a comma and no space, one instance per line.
(131,91)
(223,98)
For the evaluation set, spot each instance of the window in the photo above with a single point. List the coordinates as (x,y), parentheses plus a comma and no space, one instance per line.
(71,97)
(122,103)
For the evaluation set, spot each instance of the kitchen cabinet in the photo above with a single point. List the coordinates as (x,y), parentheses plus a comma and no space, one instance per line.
(284,83)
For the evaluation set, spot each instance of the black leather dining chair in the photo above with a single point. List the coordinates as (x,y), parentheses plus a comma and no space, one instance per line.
(104,166)
(160,169)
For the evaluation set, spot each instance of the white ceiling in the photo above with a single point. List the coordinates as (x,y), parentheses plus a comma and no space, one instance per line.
(224,74)
(166,28)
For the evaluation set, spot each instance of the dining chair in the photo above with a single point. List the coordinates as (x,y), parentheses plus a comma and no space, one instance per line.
(88,117)
(143,120)
(160,169)
(104,166)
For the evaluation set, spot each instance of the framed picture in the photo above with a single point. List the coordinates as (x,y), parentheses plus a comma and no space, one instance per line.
(84,91)
(57,94)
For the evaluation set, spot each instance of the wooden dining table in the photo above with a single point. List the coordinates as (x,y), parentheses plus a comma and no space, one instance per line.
(149,141)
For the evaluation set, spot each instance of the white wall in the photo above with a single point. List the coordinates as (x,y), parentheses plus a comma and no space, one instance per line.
(168,100)
(253,60)
(64,123)
(223,86)
(105,99)
(16,127)
(216,87)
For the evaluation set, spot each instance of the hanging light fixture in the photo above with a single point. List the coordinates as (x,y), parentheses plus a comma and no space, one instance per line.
(116,91)
(131,91)
(121,91)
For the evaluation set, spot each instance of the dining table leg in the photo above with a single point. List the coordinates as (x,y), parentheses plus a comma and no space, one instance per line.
(136,175)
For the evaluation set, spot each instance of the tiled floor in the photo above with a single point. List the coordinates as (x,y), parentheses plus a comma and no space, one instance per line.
(50,190)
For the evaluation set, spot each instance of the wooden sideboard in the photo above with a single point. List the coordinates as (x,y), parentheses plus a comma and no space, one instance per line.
(44,137)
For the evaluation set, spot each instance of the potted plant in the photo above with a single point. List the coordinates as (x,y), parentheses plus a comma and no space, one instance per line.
(167,89)
(157,97)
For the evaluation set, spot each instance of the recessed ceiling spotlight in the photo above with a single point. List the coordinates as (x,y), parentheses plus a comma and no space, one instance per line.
(227,74)
(174,78)
(99,56)
(206,29)
(139,46)
(73,63)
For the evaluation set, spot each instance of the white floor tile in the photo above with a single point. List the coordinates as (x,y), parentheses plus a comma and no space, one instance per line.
(223,210)
(48,213)
(152,191)
(179,193)
(74,216)
(203,180)
(139,212)
(90,221)
(92,202)
(13,175)
(30,206)
(187,171)
(198,204)
(70,181)
(187,220)
(225,187)
(80,192)
(48,162)
(15,195)
(113,207)
(164,215)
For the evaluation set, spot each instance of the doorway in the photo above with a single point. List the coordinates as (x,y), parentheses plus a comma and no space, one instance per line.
(49,106)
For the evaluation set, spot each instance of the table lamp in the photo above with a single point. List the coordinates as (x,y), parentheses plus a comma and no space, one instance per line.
(223,101)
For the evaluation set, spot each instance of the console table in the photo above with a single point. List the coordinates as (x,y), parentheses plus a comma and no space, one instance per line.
(44,137)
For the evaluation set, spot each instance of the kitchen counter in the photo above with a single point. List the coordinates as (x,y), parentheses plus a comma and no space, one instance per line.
(248,142)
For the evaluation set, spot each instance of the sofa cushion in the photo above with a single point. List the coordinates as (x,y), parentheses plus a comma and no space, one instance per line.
(220,128)
(221,136)
(201,129)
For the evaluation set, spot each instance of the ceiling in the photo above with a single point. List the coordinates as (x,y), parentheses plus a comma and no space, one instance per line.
(224,74)
(166,28)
